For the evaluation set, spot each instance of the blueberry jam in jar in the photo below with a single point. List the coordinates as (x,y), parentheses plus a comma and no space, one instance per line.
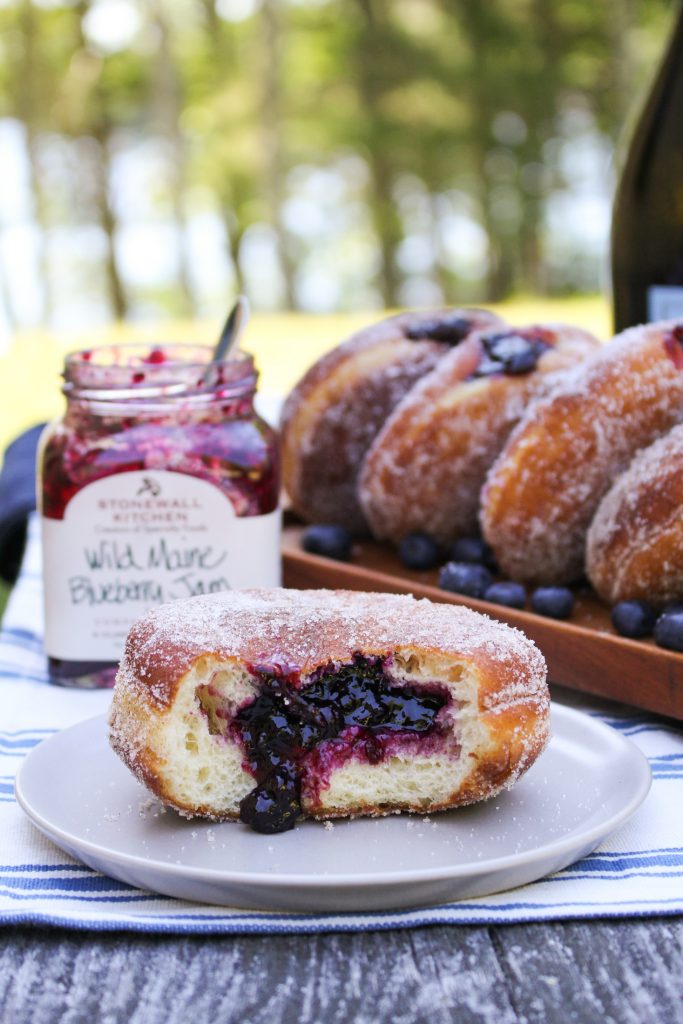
(159,482)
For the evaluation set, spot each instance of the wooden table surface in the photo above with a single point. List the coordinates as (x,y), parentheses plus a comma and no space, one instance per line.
(622,972)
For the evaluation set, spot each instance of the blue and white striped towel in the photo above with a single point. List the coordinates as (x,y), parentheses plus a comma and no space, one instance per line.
(638,871)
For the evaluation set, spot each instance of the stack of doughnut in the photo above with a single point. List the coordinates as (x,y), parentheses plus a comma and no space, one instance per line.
(426,467)
(356,405)
(527,434)
(334,413)
(548,482)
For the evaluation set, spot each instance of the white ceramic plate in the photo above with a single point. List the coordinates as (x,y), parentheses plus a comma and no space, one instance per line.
(588,781)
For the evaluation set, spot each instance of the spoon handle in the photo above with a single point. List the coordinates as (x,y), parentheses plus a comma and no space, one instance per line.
(234,325)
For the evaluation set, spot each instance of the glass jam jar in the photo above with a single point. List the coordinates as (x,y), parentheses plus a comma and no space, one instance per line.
(160,482)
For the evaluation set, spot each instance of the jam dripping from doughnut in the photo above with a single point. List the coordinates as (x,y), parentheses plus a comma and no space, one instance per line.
(284,724)
(673,343)
(450,330)
(510,352)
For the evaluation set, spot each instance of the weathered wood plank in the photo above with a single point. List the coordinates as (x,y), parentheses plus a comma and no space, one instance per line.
(618,973)
(624,972)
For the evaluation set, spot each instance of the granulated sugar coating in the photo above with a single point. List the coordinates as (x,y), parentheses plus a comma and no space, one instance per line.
(543,490)
(635,543)
(333,414)
(426,467)
(301,630)
(210,689)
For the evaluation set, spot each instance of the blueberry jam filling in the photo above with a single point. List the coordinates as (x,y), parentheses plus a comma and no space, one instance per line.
(284,724)
(512,353)
(449,329)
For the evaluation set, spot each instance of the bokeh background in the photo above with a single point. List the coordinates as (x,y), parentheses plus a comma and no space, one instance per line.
(156,156)
(329,158)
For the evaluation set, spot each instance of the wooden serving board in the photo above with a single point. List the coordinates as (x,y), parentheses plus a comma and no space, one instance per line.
(584,653)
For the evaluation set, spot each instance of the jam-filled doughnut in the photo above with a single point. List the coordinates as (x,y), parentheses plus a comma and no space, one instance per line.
(635,542)
(268,705)
(332,415)
(544,488)
(426,467)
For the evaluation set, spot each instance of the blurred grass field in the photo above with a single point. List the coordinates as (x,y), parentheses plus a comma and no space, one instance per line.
(284,345)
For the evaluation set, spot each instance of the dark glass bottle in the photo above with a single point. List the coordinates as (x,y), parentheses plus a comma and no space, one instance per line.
(647,225)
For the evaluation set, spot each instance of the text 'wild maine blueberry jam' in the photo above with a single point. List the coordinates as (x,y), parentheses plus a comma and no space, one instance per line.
(160,482)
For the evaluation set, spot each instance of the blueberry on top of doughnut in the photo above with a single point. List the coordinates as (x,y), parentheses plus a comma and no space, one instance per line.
(450,328)
(512,352)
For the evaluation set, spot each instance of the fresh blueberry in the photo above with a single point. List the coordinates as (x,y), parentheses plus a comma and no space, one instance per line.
(634,619)
(418,551)
(517,354)
(472,549)
(465,578)
(510,353)
(669,631)
(523,362)
(328,540)
(512,595)
(450,329)
(555,602)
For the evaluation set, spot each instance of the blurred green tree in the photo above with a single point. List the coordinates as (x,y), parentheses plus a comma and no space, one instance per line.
(446,129)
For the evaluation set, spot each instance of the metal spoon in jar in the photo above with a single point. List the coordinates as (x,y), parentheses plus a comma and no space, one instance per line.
(230,335)
(234,325)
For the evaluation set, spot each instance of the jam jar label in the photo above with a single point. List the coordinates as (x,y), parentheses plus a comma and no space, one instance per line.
(135,540)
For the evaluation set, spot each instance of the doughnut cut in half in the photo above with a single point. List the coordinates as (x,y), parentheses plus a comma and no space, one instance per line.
(333,414)
(271,704)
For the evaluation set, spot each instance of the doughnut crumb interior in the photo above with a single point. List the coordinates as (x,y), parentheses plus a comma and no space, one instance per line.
(274,704)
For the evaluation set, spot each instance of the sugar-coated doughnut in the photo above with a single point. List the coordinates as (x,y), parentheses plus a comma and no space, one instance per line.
(543,490)
(334,412)
(635,542)
(426,467)
(328,704)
